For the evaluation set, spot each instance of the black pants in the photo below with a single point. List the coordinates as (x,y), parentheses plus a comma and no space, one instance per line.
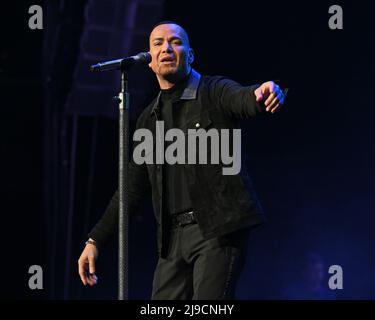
(200,269)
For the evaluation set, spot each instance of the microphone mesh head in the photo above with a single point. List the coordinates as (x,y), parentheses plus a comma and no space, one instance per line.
(145,57)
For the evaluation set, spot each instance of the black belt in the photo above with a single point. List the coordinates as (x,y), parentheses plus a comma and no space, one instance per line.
(183,219)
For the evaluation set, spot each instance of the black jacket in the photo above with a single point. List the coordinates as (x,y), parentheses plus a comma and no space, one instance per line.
(222,203)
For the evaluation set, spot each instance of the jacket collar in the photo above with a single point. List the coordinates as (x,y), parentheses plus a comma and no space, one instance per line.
(189,93)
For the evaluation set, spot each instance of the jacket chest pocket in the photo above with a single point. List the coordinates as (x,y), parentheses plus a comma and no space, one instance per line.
(208,119)
(202,122)
(204,137)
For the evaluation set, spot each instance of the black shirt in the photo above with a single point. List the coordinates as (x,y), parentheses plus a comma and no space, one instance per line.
(177,193)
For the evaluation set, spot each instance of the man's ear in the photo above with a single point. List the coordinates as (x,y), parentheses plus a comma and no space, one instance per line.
(191,56)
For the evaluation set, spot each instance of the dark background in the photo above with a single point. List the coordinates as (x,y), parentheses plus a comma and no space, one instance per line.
(312,163)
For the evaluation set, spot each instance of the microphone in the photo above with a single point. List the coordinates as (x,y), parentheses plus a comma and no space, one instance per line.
(140,58)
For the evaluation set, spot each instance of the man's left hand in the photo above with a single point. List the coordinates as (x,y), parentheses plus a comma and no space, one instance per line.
(271,93)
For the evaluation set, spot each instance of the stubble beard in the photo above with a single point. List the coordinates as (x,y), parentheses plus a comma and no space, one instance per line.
(170,73)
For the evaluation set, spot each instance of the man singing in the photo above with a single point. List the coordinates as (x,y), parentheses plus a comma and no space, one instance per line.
(203,216)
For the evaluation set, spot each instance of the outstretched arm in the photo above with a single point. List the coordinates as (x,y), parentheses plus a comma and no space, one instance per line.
(247,101)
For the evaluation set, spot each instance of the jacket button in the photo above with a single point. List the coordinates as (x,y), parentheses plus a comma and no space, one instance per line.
(197,125)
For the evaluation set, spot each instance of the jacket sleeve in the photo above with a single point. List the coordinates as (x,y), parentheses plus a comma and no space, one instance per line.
(236,100)
(139,186)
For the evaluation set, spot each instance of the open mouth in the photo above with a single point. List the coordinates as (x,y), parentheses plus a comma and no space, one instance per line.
(167,60)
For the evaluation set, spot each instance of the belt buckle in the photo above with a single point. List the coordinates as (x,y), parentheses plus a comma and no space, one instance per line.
(185,218)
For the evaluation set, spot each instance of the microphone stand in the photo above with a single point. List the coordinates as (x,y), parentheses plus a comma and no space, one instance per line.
(123,178)
(123,172)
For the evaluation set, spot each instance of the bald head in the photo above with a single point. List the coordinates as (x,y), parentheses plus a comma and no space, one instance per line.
(182,30)
(171,53)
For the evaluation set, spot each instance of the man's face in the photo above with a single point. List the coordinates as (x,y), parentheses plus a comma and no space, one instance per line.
(171,53)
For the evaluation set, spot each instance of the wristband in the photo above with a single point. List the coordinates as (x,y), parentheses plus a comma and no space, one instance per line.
(93,242)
